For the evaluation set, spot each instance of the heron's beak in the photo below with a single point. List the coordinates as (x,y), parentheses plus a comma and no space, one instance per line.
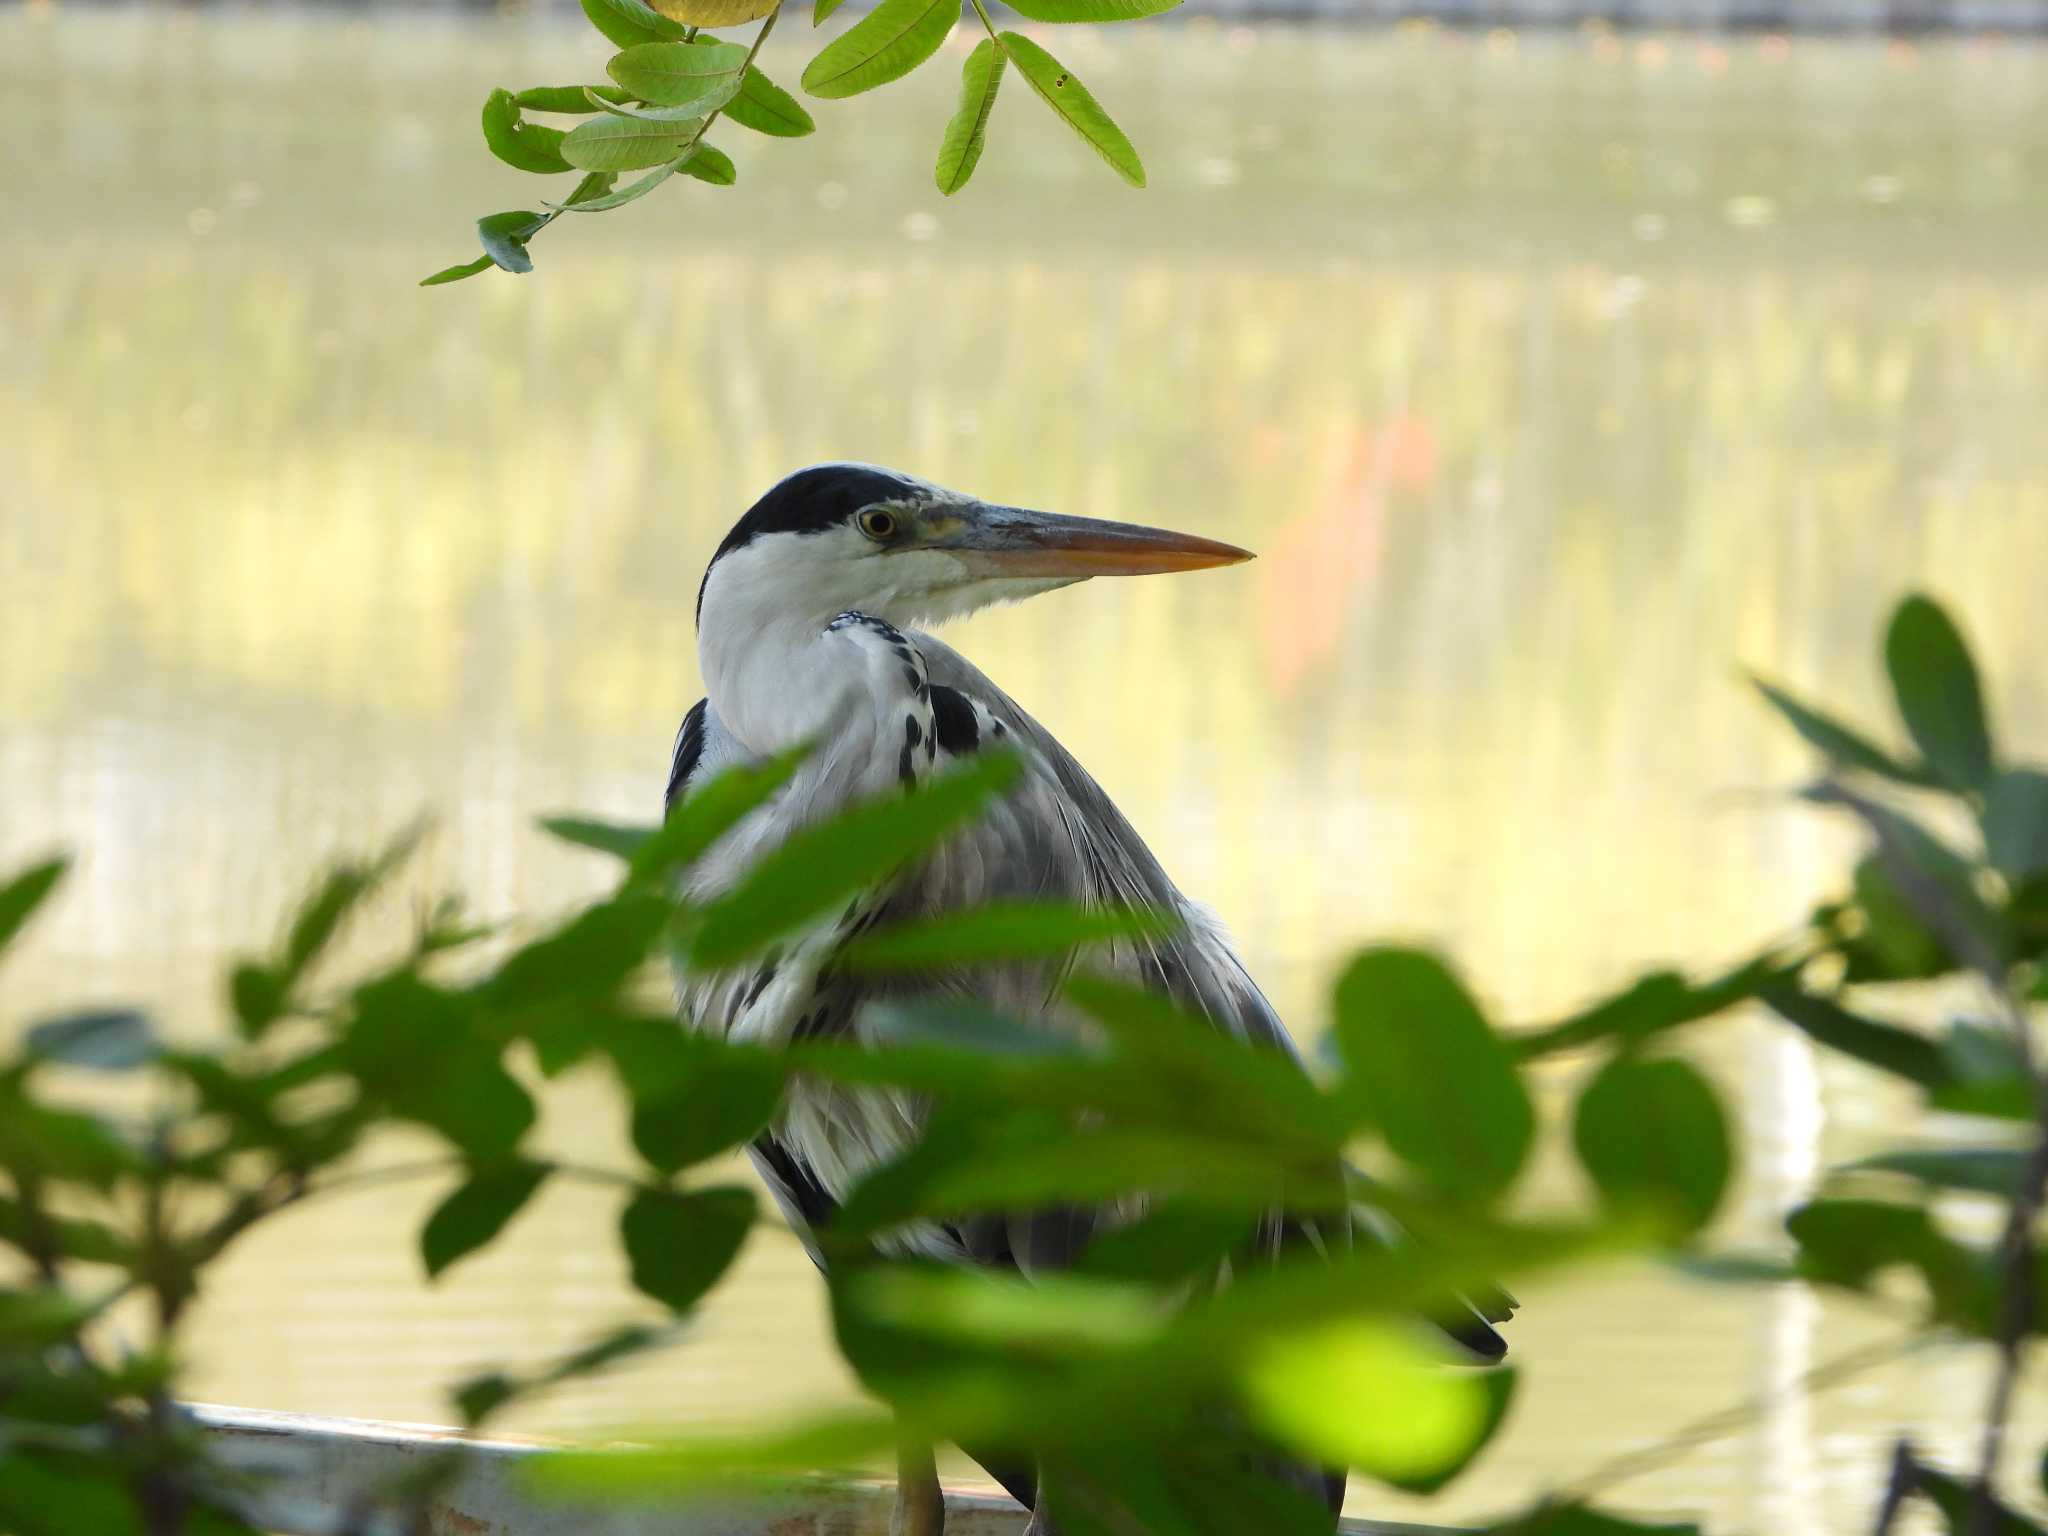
(1010,541)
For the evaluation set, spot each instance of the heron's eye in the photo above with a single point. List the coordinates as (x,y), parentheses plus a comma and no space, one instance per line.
(878,523)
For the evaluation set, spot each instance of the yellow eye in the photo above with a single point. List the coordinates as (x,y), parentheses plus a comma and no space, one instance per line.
(878,523)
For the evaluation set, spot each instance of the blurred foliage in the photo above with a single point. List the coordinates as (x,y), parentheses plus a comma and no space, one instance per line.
(672,81)
(1145,1392)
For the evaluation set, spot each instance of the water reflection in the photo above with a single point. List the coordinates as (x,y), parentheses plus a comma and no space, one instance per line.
(1553,380)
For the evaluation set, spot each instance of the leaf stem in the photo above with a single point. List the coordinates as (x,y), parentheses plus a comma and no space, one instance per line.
(981,10)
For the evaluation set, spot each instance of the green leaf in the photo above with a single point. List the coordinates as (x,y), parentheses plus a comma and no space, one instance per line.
(1427,1070)
(623,144)
(688,116)
(996,933)
(1980,1170)
(1549,1519)
(960,151)
(481,1396)
(708,812)
(621,842)
(20,896)
(692,1098)
(1987,1074)
(1172,1241)
(1894,945)
(108,1040)
(716,13)
(628,23)
(679,1244)
(457,273)
(477,1211)
(1938,696)
(592,188)
(1364,1393)
(815,870)
(1650,1005)
(711,164)
(258,998)
(524,146)
(820,9)
(46,1143)
(473,1101)
(1067,96)
(573,99)
(1841,746)
(1090,10)
(766,107)
(886,44)
(504,237)
(703,75)
(2016,822)
(1887,1047)
(1652,1132)
(1957,1501)
(632,191)
(590,957)
(1848,1243)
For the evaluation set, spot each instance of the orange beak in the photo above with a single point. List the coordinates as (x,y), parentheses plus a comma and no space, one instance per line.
(1010,541)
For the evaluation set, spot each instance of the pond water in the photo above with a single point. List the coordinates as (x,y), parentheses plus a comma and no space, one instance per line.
(1556,377)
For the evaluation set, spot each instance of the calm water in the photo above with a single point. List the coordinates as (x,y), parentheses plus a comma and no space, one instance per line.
(1555,378)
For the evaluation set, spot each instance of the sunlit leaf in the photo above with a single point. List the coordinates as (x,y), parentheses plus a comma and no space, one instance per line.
(477,1211)
(604,202)
(715,13)
(26,891)
(565,98)
(709,163)
(814,871)
(1935,684)
(820,9)
(766,107)
(702,74)
(845,1442)
(1067,96)
(1365,1394)
(630,22)
(886,44)
(520,144)
(1652,1132)
(960,151)
(679,1244)
(1079,1314)
(1981,1170)
(1090,10)
(1837,742)
(459,271)
(1426,1068)
(107,1040)
(504,237)
(623,144)
(998,932)
(2016,822)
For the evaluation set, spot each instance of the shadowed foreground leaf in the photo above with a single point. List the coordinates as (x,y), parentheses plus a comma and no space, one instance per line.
(477,1211)
(1653,1132)
(1837,742)
(679,1244)
(1428,1071)
(1001,931)
(20,896)
(1935,684)
(1066,95)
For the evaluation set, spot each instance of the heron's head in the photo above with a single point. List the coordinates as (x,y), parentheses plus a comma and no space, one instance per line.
(850,536)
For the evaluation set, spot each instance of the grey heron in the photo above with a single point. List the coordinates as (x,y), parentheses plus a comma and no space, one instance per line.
(807,632)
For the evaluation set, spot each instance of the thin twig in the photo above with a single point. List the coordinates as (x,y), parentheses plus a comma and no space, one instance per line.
(1726,1421)
(1905,1472)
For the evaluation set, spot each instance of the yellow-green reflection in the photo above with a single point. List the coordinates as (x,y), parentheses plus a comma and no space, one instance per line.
(1554,377)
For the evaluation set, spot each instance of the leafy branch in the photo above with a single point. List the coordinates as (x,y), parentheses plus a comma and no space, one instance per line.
(671,82)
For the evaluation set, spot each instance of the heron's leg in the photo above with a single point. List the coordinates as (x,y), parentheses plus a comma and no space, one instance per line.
(920,1506)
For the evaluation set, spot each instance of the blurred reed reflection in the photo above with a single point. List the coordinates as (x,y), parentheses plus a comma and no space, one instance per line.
(1554,377)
